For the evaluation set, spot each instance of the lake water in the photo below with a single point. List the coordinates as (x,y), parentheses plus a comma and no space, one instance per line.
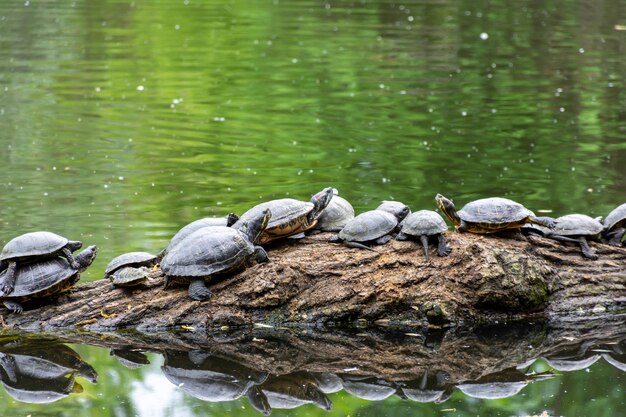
(122,121)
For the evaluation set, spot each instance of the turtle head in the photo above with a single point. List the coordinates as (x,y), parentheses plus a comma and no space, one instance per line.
(231,219)
(256,227)
(86,257)
(447,207)
(74,245)
(320,200)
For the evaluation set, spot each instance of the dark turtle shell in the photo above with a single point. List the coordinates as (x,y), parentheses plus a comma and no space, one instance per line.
(208,251)
(369,226)
(293,390)
(493,214)
(33,244)
(617,217)
(129,276)
(335,216)
(577,225)
(424,222)
(135,259)
(197,225)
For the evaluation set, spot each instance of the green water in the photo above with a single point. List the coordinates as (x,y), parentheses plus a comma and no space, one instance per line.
(122,121)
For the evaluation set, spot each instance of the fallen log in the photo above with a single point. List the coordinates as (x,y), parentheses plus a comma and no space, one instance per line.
(311,281)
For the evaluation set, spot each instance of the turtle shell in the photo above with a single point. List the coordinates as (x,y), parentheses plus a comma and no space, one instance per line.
(368,226)
(371,389)
(577,225)
(208,251)
(293,390)
(495,212)
(288,217)
(129,275)
(193,226)
(424,222)
(43,278)
(491,390)
(398,209)
(335,216)
(33,244)
(616,217)
(130,259)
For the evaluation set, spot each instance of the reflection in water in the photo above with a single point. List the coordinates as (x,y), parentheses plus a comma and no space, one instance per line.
(429,388)
(500,384)
(130,358)
(293,390)
(42,372)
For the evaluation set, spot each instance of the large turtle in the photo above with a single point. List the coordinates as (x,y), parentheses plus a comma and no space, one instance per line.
(289,216)
(335,216)
(215,251)
(577,228)
(424,224)
(490,215)
(615,226)
(501,384)
(30,247)
(185,231)
(129,269)
(368,388)
(293,390)
(46,278)
(373,227)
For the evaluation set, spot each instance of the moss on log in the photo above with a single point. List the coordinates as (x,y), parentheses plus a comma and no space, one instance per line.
(311,281)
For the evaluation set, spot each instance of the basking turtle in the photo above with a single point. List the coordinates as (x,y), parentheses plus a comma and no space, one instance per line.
(505,383)
(215,251)
(335,216)
(490,215)
(31,247)
(215,379)
(130,268)
(577,228)
(398,209)
(289,217)
(424,224)
(373,227)
(196,225)
(46,278)
(615,226)
(293,390)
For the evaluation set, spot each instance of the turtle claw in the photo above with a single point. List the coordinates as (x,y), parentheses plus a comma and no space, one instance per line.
(13,306)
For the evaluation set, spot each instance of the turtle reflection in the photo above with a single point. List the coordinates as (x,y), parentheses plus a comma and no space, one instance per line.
(130,358)
(616,355)
(215,379)
(431,387)
(42,373)
(293,390)
(368,388)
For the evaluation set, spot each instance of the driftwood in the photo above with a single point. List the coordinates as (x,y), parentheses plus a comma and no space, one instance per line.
(311,281)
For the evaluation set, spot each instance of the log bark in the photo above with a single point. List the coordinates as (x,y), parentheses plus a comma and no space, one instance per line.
(311,281)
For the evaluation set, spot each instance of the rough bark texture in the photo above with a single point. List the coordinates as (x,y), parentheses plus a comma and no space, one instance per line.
(312,281)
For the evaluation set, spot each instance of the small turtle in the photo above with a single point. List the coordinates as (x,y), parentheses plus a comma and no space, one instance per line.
(198,224)
(490,215)
(130,268)
(424,224)
(577,228)
(335,216)
(215,251)
(615,226)
(373,227)
(289,217)
(294,390)
(46,278)
(398,209)
(30,247)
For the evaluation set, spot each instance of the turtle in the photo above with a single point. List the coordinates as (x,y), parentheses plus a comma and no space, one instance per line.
(368,388)
(428,388)
(130,358)
(571,364)
(30,247)
(213,378)
(327,382)
(615,226)
(215,251)
(398,209)
(371,227)
(577,228)
(335,216)
(490,215)
(289,216)
(185,231)
(424,224)
(293,390)
(505,383)
(46,278)
(130,268)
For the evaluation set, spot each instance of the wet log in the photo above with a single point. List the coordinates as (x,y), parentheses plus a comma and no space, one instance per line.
(311,281)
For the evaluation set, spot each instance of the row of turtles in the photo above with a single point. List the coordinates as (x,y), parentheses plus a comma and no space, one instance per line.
(39,264)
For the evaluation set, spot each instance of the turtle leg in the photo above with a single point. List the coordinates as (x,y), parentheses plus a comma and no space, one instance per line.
(402,236)
(14,306)
(383,239)
(584,247)
(563,238)
(8,283)
(70,258)
(7,362)
(542,221)
(442,246)
(198,291)
(424,240)
(357,245)
(261,255)
(463,227)
(614,237)
(259,400)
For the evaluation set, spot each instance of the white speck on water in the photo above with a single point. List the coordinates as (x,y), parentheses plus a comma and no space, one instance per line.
(490,75)
(45,194)
(532,161)
(121,178)
(410,18)
(610,85)
(484,36)
(26,3)
(561,109)
(106,185)
(381,85)
(494,110)
(98,89)
(152,184)
(463,113)
(140,88)
(219,119)
(581,50)
(494,65)
(294,142)
(402,92)
(177,27)
(590,190)
(54,168)
(430,110)
(130,139)
(385,180)
(294,60)
(573,169)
